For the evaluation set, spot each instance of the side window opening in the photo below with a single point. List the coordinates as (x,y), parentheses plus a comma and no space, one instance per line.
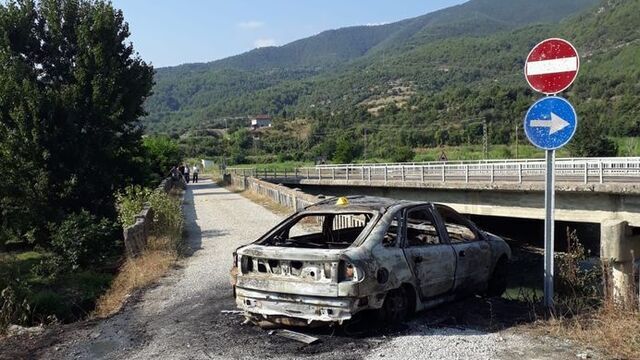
(421,229)
(458,227)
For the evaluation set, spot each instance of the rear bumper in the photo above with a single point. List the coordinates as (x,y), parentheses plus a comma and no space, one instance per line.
(309,308)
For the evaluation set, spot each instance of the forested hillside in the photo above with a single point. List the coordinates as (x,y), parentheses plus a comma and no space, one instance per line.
(418,87)
(187,95)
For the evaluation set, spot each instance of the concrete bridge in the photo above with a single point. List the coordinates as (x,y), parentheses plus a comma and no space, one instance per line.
(603,191)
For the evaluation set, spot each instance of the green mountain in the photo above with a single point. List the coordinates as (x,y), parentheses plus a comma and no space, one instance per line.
(349,66)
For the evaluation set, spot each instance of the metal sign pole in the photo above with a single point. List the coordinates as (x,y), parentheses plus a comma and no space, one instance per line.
(549,205)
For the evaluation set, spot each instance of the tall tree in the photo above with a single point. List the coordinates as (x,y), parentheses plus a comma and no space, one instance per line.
(71,93)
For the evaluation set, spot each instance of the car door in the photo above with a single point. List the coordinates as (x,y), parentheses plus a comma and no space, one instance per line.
(472,251)
(430,257)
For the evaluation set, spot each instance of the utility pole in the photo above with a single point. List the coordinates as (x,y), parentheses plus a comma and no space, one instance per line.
(365,143)
(516,139)
(485,138)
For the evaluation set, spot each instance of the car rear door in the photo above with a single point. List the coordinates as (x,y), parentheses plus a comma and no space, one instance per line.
(430,257)
(472,251)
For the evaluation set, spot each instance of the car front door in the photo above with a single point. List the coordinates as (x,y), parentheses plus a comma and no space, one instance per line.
(472,251)
(430,257)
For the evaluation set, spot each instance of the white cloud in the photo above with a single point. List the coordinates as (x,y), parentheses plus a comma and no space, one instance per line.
(264,42)
(377,24)
(250,25)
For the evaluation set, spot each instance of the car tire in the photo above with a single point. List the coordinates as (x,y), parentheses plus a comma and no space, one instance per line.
(395,307)
(498,282)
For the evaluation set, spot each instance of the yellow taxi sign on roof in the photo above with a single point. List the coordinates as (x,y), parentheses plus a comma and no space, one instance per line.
(342,201)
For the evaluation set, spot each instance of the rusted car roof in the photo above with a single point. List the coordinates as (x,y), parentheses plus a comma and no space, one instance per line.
(358,202)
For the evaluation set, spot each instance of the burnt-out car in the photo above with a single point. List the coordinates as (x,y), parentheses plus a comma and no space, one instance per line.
(342,256)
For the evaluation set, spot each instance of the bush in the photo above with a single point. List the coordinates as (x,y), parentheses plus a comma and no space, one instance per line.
(167,211)
(578,284)
(84,240)
(401,154)
(130,202)
(167,216)
(15,307)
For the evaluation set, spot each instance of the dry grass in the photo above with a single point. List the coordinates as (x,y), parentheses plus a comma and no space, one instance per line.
(262,200)
(610,330)
(137,273)
(267,203)
(585,311)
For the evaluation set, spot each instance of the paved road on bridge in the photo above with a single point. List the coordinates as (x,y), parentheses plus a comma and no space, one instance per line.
(181,317)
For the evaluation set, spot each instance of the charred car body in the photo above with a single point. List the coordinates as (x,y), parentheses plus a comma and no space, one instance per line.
(337,258)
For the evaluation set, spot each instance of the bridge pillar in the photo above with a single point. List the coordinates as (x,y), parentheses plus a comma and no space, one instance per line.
(619,247)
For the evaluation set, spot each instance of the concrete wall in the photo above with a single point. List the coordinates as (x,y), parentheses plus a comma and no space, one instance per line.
(285,196)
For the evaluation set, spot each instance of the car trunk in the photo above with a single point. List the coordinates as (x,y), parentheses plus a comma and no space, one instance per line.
(289,270)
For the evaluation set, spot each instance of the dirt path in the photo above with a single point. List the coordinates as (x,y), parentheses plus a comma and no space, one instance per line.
(180,318)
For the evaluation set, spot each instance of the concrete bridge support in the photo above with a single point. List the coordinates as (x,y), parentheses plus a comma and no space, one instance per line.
(620,248)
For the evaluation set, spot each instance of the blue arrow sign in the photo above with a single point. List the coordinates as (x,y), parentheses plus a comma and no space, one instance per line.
(550,123)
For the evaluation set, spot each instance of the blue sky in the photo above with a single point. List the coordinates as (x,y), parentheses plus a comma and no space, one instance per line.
(172,32)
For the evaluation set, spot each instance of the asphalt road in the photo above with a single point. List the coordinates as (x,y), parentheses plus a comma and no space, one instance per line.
(180,318)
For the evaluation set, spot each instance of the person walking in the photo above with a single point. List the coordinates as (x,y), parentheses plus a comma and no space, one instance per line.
(195,173)
(186,172)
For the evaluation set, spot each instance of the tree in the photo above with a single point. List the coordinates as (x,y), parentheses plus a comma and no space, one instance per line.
(161,153)
(345,151)
(590,141)
(71,93)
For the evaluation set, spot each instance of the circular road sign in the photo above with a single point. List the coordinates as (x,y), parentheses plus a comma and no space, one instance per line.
(552,66)
(550,123)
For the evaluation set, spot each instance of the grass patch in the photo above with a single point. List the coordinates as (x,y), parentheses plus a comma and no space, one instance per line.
(285,165)
(584,310)
(163,248)
(29,297)
(137,273)
(614,331)
(267,203)
(475,152)
(262,200)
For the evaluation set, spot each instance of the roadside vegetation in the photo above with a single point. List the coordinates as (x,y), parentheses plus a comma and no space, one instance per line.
(164,245)
(585,310)
(71,96)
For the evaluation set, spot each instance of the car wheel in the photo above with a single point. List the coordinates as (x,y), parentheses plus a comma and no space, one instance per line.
(396,306)
(498,281)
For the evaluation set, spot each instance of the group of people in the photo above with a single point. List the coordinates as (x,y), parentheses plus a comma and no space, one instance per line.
(186,173)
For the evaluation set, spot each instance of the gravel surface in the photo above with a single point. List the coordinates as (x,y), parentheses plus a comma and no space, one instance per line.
(180,318)
(423,342)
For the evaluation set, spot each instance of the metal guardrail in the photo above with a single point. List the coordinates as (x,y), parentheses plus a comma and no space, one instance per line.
(484,161)
(579,171)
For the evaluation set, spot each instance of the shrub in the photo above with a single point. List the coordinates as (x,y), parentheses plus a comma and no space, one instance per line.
(401,154)
(48,305)
(84,240)
(578,283)
(15,307)
(167,218)
(130,202)
(167,211)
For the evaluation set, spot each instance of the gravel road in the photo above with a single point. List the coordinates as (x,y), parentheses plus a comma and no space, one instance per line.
(181,317)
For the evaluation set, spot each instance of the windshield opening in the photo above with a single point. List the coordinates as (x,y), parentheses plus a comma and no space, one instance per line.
(321,231)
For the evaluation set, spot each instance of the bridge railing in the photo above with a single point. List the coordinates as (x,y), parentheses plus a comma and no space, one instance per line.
(483,161)
(586,171)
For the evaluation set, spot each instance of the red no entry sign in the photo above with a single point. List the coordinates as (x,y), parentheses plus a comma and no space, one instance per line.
(552,66)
